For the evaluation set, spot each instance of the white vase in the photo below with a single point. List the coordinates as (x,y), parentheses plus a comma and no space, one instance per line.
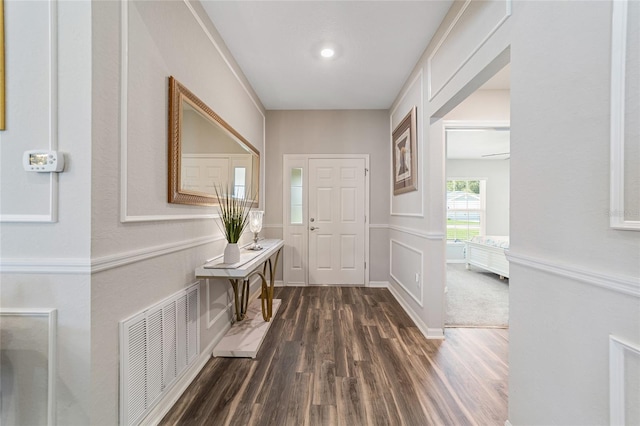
(231,253)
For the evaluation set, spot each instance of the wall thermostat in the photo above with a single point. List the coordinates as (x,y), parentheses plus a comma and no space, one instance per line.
(43,161)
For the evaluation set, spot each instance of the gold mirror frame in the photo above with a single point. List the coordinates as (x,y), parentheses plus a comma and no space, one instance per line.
(178,94)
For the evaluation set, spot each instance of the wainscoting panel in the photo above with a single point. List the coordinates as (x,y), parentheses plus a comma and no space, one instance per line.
(406,264)
(624,382)
(454,49)
(156,348)
(28,366)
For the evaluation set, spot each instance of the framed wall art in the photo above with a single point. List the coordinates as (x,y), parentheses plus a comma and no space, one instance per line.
(405,155)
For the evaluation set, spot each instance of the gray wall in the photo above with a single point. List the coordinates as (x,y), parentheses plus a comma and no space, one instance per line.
(333,132)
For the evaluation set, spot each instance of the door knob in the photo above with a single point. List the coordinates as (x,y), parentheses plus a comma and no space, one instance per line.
(313,228)
(312,220)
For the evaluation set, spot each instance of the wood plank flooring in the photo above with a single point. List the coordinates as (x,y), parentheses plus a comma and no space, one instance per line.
(352,356)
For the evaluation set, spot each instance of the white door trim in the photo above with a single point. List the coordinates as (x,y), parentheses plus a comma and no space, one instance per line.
(302,160)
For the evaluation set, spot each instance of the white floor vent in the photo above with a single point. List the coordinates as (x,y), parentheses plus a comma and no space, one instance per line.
(156,347)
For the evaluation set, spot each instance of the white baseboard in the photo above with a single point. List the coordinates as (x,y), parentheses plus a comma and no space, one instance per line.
(379,284)
(429,333)
(435,333)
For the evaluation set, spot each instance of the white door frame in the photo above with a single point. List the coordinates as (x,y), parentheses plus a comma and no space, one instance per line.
(290,161)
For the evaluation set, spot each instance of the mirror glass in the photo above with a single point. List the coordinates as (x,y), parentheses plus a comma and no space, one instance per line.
(205,152)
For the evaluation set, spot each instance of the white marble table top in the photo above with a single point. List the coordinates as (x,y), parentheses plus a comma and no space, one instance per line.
(250,260)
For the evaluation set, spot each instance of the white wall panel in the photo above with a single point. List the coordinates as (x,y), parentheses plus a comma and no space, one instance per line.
(406,268)
(28,366)
(32,110)
(475,21)
(624,382)
(625,113)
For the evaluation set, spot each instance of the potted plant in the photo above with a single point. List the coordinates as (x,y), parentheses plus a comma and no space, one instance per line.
(234,216)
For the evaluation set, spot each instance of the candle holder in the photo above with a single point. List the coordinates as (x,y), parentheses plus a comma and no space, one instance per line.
(255,226)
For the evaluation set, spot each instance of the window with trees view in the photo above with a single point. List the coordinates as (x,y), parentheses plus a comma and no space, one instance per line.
(465,208)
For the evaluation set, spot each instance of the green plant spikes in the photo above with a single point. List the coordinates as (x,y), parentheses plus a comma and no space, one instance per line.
(234,213)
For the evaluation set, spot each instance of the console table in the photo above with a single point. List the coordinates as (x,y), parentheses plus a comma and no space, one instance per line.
(246,335)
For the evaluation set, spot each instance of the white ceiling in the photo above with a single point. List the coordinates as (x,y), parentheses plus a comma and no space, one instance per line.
(277,44)
(478,144)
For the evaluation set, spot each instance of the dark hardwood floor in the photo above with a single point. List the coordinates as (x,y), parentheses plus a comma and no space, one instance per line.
(352,356)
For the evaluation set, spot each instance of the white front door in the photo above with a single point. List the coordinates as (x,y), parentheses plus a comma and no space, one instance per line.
(336,221)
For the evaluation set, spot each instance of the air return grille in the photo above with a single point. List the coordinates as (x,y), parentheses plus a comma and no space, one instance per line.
(156,347)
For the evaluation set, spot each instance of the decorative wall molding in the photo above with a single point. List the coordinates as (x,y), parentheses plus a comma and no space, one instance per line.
(619,349)
(418,77)
(222,54)
(620,284)
(52,318)
(99,264)
(438,236)
(432,92)
(52,216)
(619,92)
(125,258)
(45,266)
(406,286)
(124,73)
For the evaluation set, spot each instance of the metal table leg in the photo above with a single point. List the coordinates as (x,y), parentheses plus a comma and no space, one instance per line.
(240,297)
(241,294)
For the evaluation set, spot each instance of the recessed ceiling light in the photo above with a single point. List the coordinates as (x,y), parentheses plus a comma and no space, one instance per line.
(327,52)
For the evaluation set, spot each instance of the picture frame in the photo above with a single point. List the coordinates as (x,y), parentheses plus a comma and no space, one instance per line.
(405,155)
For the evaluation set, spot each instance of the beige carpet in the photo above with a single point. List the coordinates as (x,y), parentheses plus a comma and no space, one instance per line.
(475,298)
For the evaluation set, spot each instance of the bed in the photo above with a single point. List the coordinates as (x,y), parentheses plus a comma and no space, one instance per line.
(487,252)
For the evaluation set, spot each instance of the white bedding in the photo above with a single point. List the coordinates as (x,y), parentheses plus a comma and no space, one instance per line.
(492,241)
